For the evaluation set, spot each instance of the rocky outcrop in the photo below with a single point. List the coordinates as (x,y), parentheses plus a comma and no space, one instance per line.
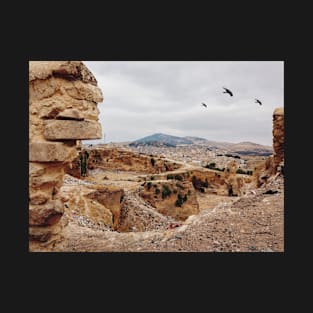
(208,181)
(63,97)
(111,198)
(278,137)
(100,204)
(171,197)
(138,216)
(123,160)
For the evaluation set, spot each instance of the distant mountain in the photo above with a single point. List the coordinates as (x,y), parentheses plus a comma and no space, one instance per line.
(162,140)
(244,148)
(196,140)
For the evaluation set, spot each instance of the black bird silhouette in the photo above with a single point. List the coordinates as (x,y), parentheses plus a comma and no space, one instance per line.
(228,91)
(258,101)
(204,104)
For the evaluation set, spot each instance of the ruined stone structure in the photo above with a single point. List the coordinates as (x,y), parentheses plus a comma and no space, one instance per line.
(273,165)
(278,137)
(63,97)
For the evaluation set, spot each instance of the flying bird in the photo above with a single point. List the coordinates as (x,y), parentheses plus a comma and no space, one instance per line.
(204,104)
(258,101)
(228,91)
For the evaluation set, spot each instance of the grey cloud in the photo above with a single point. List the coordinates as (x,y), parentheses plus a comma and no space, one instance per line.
(145,97)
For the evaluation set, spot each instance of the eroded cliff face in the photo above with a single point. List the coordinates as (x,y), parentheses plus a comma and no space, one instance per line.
(100,204)
(124,160)
(171,197)
(63,97)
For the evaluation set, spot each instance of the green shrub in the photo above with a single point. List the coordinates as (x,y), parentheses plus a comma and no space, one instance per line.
(196,182)
(212,166)
(166,192)
(152,178)
(179,200)
(157,191)
(199,184)
(169,176)
(178,177)
(185,198)
(152,160)
(149,185)
(241,171)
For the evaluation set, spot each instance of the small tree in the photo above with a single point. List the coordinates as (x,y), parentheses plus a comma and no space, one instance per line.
(179,200)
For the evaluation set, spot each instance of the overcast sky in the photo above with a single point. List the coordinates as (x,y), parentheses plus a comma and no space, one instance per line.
(146,97)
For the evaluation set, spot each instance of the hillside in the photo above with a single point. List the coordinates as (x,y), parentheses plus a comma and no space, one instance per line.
(244,148)
(251,148)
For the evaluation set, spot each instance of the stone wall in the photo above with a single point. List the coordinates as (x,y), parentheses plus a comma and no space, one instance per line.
(63,97)
(278,137)
(274,164)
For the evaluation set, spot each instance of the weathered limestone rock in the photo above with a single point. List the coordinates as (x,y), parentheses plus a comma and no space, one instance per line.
(140,217)
(63,97)
(97,212)
(50,152)
(45,214)
(100,204)
(67,130)
(38,198)
(111,198)
(42,89)
(49,108)
(71,70)
(70,114)
(44,238)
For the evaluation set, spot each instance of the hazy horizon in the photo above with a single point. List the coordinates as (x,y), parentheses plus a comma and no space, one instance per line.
(142,98)
(100,141)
